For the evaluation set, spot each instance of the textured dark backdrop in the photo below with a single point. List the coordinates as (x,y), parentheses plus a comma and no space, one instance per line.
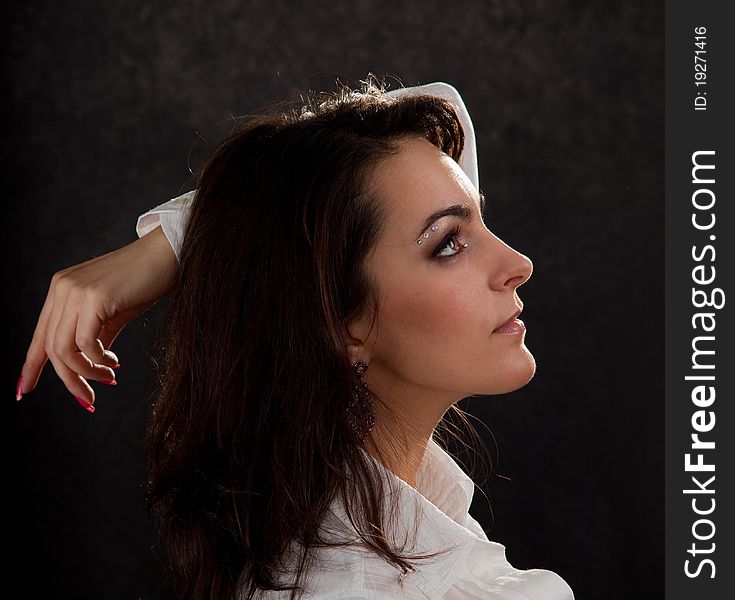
(109,101)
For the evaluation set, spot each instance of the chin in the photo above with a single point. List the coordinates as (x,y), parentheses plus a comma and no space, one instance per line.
(515,375)
(526,370)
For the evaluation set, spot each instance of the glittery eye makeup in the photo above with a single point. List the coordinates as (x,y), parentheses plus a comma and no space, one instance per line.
(462,211)
(426,235)
(452,237)
(457,210)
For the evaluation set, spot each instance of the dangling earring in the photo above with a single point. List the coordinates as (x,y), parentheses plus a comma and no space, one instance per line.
(360,411)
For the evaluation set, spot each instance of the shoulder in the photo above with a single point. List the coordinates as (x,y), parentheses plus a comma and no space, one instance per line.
(386,594)
(357,574)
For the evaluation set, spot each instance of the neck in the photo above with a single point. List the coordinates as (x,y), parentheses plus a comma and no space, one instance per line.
(403,460)
(402,432)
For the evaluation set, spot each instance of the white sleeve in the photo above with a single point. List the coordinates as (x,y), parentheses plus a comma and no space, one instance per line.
(468,158)
(172,216)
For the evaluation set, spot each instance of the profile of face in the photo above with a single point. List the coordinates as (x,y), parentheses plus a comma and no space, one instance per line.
(440,301)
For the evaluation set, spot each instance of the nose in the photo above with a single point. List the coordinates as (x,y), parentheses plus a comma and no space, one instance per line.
(511,268)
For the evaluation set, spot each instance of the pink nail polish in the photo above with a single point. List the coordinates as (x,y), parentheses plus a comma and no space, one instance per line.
(85,404)
(110,382)
(19,389)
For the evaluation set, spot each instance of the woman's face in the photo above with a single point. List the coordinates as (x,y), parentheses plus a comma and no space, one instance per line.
(440,302)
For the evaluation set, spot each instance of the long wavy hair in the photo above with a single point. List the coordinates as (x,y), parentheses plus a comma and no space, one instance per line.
(249,441)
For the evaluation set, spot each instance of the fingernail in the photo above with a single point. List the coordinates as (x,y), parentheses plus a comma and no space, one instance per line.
(110,382)
(19,389)
(115,366)
(84,403)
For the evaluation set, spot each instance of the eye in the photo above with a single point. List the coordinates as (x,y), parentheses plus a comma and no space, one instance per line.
(451,243)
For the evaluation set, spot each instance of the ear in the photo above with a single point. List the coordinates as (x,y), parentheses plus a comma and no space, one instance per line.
(358,331)
(355,349)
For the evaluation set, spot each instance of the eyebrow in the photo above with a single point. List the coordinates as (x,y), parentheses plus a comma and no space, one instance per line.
(456,210)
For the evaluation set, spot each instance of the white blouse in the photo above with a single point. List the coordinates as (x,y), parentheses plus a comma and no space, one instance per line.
(475,568)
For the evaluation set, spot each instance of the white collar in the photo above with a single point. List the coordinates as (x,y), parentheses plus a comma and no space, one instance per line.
(442,501)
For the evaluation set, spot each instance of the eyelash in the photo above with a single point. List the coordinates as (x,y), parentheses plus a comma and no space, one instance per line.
(452,234)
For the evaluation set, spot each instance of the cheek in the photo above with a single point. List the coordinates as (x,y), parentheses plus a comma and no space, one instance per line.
(436,314)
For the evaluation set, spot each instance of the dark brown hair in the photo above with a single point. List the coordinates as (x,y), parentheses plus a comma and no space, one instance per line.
(249,442)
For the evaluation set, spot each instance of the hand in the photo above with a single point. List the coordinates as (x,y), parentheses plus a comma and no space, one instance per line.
(88,305)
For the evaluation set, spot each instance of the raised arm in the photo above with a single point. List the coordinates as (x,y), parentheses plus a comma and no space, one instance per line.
(89,304)
(172,215)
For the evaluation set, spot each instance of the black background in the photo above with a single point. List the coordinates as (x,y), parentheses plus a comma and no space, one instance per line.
(109,102)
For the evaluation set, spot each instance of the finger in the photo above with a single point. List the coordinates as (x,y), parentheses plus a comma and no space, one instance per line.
(108,335)
(54,346)
(36,356)
(88,339)
(66,347)
(75,384)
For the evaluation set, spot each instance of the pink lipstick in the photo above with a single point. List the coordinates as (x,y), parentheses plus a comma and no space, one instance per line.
(512,326)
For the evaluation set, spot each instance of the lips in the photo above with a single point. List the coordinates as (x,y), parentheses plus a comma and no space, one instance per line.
(511,318)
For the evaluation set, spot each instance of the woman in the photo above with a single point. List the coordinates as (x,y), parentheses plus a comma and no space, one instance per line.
(335,293)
